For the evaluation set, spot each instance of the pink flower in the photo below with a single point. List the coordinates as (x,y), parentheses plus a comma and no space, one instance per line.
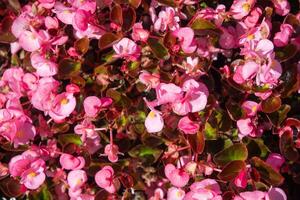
(188,126)
(30,168)
(275,193)
(151,80)
(241,8)
(228,38)
(63,13)
(275,160)
(126,49)
(207,189)
(282,7)
(168,93)
(29,40)
(241,179)
(282,38)
(175,194)
(138,33)
(252,19)
(177,177)
(254,195)
(43,66)
(194,100)
(51,22)
(76,179)
(93,104)
(70,162)
(251,108)
(154,122)
(166,19)
(245,72)
(81,19)
(186,36)
(62,106)
(48,4)
(111,150)
(246,127)
(105,179)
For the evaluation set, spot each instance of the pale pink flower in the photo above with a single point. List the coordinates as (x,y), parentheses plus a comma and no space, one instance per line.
(282,38)
(138,33)
(188,126)
(43,66)
(254,195)
(30,40)
(63,13)
(207,189)
(175,194)
(126,49)
(177,177)
(105,179)
(246,127)
(275,160)
(62,106)
(76,179)
(51,22)
(251,108)
(194,100)
(168,93)
(167,19)
(186,39)
(282,7)
(69,162)
(154,122)
(241,8)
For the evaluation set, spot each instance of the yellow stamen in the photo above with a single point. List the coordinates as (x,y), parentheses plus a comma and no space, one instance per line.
(250,37)
(152,114)
(246,7)
(64,101)
(32,175)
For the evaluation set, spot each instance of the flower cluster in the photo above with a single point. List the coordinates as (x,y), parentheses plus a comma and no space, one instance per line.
(150,99)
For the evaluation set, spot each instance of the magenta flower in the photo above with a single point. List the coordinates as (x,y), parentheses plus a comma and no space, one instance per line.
(93,104)
(168,93)
(282,38)
(282,7)
(138,33)
(241,8)
(126,49)
(275,160)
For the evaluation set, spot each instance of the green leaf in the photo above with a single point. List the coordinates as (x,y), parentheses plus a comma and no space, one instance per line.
(280,115)
(202,24)
(68,68)
(286,53)
(210,132)
(107,40)
(256,147)
(147,154)
(115,95)
(267,172)
(232,170)
(235,152)
(158,49)
(42,194)
(197,142)
(69,139)
(271,104)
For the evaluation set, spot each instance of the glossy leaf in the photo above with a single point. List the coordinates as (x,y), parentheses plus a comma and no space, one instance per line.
(286,53)
(197,142)
(286,145)
(172,3)
(68,68)
(116,15)
(147,154)
(266,172)
(82,45)
(135,3)
(107,40)
(65,139)
(11,187)
(256,147)
(232,170)
(235,152)
(271,104)
(202,24)
(279,116)
(129,17)
(158,49)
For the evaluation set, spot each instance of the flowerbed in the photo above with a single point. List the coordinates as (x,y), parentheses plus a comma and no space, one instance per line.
(141,99)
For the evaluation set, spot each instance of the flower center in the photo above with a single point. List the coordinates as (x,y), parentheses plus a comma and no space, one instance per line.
(64,101)
(246,7)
